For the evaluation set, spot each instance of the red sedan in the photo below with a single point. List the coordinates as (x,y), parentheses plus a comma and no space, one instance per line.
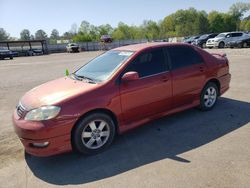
(115,92)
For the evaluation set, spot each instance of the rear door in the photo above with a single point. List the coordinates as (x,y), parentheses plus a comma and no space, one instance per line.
(152,92)
(188,74)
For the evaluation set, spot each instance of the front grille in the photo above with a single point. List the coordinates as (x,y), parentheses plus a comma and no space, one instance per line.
(20,110)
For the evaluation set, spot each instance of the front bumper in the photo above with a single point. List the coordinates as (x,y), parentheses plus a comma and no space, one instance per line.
(212,44)
(57,145)
(6,56)
(57,133)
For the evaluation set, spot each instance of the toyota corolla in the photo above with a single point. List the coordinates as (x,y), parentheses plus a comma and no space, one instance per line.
(117,91)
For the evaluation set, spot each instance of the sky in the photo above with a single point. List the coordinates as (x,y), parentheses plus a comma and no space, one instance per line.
(16,15)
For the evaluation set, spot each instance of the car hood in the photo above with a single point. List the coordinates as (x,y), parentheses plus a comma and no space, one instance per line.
(217,38)
(54,92)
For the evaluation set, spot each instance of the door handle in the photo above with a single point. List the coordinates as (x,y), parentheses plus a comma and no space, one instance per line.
(165,78)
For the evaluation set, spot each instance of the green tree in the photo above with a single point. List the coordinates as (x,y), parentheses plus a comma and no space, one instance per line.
(216,22)
(245,25)
(237,10)
(54,34)
(3,35)
(122,32)
(73,29)
(105,29)
(67,35)
(150,29)
(25,34)
(40,35)
(201,24)
(84,27)
(167,27)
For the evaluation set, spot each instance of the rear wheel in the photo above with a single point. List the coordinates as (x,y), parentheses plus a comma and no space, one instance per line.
(93,133)
(209,96)
(244,45)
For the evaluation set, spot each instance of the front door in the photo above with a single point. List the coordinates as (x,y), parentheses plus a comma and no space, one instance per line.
(152,92)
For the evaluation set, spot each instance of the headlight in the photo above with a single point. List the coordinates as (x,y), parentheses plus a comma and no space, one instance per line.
(43,113)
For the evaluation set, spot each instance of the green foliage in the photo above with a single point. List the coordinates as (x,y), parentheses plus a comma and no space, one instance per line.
(237,11)
(245,25)
(25,34)
(54,34)
(3,35)
(40,35)
(216,22)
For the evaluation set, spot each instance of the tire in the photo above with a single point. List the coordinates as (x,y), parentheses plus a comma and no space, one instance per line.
(209,96)
(203,45)
(244,45)
(93,134)
(221,45)
(11,57)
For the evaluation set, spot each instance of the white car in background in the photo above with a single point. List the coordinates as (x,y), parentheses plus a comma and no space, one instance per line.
(222,39)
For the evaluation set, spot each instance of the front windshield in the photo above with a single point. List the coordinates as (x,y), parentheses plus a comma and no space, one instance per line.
(103,66)
(221,35)
(203,36)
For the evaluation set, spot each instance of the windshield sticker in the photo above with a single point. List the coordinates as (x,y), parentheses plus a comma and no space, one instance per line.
(125,53)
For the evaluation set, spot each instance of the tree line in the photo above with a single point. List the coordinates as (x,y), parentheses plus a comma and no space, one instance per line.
(181,23)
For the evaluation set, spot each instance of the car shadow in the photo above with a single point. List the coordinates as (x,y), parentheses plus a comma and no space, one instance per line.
(164,138)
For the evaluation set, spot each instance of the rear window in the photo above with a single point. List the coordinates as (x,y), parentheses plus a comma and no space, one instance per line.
(237,34)
(182,56)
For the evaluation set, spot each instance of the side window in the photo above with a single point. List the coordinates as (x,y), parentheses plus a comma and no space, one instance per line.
(182,56)
(148,63)
(237,34)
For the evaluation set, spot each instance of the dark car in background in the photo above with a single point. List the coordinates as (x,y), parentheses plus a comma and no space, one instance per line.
(4,53)
(244,43)
(106,39)
(73,47)
(191,39)
(33,52)
(201,41)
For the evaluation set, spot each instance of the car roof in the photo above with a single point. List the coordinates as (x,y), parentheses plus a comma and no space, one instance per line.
(142,46)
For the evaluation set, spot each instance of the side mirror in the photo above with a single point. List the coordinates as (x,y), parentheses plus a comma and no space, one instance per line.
(130,76)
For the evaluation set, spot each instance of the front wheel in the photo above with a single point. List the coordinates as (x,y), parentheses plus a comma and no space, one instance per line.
(209,96)
(93,133)
(221,45)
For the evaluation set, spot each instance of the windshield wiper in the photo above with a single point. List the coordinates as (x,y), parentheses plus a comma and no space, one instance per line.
(78,77)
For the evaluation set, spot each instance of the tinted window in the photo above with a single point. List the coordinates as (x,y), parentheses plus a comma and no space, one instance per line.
(236,34)
(182,56)
(148,63)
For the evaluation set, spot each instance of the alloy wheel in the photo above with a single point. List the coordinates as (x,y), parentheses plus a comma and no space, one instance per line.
(210,97)
(95,134)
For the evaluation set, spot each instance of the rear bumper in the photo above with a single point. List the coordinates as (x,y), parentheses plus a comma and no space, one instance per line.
(225,83)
